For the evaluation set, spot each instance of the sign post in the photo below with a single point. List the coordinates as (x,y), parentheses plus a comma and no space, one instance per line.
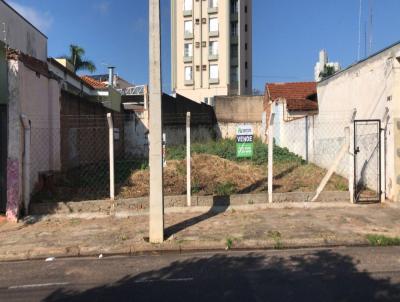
(244,141)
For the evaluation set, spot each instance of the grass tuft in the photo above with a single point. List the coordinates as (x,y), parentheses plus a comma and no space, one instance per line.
(382,240)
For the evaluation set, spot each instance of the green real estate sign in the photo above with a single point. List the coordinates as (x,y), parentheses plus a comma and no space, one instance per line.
(244,141)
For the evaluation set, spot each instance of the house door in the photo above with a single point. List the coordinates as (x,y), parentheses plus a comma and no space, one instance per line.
(367,160)
(3,158)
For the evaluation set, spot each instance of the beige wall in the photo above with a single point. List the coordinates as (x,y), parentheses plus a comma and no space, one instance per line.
(37,97)
(371,87)
(21,34)
(201,87)
(239,109)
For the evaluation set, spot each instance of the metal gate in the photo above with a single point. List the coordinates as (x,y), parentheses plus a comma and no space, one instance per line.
(3,158)
(367,160)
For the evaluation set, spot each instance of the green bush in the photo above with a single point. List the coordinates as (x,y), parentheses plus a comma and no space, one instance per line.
(225,189)
(226,148)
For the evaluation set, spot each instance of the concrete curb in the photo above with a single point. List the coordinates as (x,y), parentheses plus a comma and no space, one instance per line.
(40,253)
(141,204)
(123,213)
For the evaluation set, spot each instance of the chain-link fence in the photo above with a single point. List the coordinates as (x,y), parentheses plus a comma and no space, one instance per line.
(305,149)
(70,162)
(70,158)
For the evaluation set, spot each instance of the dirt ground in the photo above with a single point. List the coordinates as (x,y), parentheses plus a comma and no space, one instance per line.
(214,175)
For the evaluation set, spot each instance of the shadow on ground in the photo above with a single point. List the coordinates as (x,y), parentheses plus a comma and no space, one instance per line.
(220,205)
(319,276)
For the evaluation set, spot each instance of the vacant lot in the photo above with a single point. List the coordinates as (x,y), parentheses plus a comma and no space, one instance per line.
(215,171)
(214,175)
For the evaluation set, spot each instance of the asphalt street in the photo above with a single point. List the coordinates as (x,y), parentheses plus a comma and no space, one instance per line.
(341,274)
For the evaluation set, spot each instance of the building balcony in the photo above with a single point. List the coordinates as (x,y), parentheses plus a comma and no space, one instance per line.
(234,17)
(213,34)
(213,81)
(213,57)
(189,82)
(187,59)
(187,13)
(213,10)
(188,35)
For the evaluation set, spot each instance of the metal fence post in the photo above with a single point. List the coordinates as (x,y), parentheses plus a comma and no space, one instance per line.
(188,162)
(351,162)
(111,150)
(383,166)
(271,153)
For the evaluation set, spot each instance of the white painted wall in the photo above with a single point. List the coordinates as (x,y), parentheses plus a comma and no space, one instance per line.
(372,87)
(369,87)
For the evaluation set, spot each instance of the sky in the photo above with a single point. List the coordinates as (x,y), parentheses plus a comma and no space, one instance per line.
(287,34)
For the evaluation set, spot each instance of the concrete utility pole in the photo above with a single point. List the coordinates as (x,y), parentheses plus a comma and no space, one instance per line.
(155,157)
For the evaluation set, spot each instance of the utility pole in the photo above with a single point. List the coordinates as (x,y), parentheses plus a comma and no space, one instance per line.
(156,230)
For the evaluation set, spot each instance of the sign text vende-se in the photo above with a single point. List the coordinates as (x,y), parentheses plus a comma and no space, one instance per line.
(244,141)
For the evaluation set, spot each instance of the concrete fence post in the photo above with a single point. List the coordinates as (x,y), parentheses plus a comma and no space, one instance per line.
(271,153)
(188,162)
(156,204)
(307,138)
(27,162)
(111,154)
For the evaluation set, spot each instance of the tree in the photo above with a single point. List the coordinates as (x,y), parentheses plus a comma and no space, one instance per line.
(328,71)
(76,58)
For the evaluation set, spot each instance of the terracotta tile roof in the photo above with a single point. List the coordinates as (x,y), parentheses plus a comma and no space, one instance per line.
(301,105)
(93,83)
(298,95)
(295,90)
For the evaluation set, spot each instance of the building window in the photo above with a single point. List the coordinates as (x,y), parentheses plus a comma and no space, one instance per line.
(187,5)
(188,73)
(245,9)
(234,75)
(213,48)
(245,28)
(246,83)
(188,27)
(213,24)
(234,51)
(213,3)
(246,65)
(234,7)
(188,50)
(234,29)
(245,46)
(214,72)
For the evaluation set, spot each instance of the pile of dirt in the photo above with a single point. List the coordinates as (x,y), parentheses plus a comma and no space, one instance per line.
(209,173)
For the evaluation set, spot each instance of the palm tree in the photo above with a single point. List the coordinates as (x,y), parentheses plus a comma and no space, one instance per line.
(76,58)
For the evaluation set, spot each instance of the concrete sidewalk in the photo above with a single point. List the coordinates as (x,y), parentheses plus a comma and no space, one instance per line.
(289,226)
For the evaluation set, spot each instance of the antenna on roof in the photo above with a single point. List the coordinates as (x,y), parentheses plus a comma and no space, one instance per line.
(359,32)
(371,23)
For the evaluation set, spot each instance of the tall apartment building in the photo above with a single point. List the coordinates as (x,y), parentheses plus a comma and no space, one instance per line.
(211,48)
